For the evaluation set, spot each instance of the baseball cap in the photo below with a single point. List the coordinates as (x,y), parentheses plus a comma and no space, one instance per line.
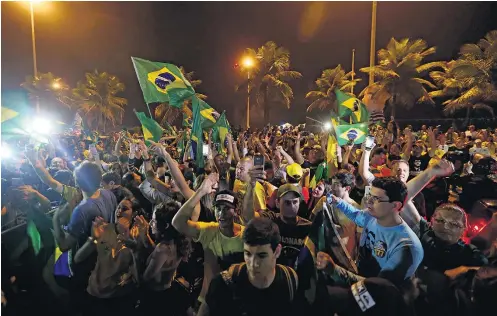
(295,171)
(287,188)
(226,197)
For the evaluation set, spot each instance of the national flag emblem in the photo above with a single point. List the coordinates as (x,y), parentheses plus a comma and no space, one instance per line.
(353,132)
(350,105)
(8,114)
(165,80)
(161,82)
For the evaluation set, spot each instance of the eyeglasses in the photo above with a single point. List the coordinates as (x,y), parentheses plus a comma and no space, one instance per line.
(443,221)
(373,199)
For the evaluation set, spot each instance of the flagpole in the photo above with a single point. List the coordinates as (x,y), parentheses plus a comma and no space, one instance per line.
(373,43)
(353,69)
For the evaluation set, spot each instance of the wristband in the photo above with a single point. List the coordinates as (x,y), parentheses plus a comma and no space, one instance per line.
(92,240)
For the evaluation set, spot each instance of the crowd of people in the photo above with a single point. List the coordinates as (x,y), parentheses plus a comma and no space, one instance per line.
(275,224)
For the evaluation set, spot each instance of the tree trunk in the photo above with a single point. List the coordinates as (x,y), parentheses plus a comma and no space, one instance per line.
(392,107)
(466,121)
(267,107)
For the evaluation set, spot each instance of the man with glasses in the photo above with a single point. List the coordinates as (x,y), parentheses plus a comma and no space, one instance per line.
(442,240)
(388,247)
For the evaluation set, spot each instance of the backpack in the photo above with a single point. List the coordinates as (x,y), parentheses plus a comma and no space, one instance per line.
(231,277)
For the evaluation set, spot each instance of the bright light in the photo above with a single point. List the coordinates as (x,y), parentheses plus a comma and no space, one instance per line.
(248,62)
(6,151)
(476,227)
(327,126)
(40,126)
(56,85)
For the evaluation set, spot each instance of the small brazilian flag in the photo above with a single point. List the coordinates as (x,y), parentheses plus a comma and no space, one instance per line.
(151,129)
(350,105)
(353,132)
(161,82)
(8,114)
(220,130)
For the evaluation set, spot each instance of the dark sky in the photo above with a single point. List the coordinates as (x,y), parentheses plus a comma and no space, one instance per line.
(209,38)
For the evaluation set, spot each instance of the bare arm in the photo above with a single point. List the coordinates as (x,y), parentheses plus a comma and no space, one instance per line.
(181,220)
(408,146)
(40,168)
(117,148)
(433,142)
(229,149)
(298,155)
(285,155)
(364,166)
(236,152)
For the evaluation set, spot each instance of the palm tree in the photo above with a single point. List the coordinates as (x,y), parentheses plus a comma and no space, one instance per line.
(331,79)
(97,100)
(400,70)
(168,113)
(47,88)
(467,82)
(270,76)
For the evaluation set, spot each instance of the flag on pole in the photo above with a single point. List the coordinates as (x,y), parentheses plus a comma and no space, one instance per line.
(354,132)
(220,130)
(151,129)
(161,82)
(350,105)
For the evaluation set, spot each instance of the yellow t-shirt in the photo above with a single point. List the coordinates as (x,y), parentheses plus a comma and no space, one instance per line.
(260,194)
(221,246)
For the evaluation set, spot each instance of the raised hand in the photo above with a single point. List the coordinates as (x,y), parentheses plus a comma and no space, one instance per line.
(324,261)
(443,168)
(98,227)
(210,183)
(257,174)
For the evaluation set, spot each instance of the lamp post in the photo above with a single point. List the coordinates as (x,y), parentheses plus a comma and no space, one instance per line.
(248,63)
(33,39)
(373,43)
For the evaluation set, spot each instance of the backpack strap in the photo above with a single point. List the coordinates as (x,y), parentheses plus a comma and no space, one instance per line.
(230,276)
(292,280)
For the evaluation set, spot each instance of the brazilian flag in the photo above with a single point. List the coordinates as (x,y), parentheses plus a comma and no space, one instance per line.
(161,82)
(220,130)
(203,118)
(354,132)
(151,129)
(350,105)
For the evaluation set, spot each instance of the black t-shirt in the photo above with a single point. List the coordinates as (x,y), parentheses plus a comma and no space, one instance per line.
(292,237)
(440,257)
(252,301)
(121,193)
(418,164)
(312,166)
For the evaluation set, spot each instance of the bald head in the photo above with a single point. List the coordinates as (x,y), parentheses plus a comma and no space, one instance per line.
(242,169)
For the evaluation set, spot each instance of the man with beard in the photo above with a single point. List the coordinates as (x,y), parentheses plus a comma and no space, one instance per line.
(259,286)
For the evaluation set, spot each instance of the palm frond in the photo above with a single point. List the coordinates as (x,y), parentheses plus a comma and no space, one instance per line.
(424,82)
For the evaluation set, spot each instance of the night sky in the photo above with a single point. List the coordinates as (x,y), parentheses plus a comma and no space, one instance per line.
(210,37)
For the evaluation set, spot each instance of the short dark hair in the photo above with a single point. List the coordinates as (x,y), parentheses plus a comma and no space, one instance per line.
(109,177)
(262,231)
(164,213)
(345,178)
(88,176)
(378,151)
(395,189)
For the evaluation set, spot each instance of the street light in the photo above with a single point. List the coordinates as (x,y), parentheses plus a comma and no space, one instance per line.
(56,86)
(33,39)
(248,62)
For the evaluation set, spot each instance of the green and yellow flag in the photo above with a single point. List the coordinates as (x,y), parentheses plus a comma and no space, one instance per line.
(8,114)
(151,129)
(220,130)
(161,82)
(354,132)
(350,105)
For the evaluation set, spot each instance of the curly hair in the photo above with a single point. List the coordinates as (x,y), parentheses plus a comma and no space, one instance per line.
(164,213)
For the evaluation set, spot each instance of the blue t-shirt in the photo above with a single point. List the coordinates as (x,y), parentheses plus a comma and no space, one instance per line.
(393,253)
(85,213)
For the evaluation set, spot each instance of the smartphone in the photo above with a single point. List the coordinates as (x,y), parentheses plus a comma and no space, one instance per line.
(369,142)
(259,161)
(205,150)
(329,198)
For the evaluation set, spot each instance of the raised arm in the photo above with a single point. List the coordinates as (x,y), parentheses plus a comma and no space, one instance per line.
(40,168)
(408,146)
(364,166)
(433,142)
(181,220)
(298,155)
(285,155)
(248,211)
